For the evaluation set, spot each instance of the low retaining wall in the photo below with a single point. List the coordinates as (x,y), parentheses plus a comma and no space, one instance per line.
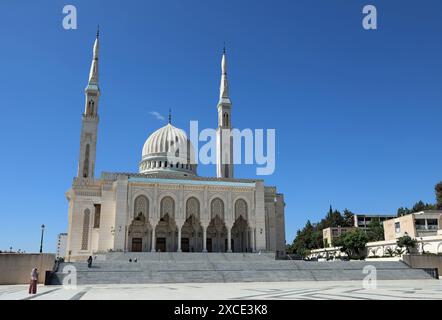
(432,244)
(423,261)
(15,268)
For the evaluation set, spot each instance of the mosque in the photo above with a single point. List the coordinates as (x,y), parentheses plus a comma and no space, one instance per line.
(167,206)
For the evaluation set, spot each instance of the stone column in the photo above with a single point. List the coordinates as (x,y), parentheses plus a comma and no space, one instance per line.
(229,237)
(204,238)
(247,236)
(179,238)
(252,233)
(153,238)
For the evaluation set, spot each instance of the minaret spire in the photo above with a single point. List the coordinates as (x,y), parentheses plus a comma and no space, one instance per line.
(224,144)
(224,87)
(88,139)
(93,73)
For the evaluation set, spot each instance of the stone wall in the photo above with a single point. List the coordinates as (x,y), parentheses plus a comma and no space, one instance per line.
(424,261)
(431,244)
(15,268)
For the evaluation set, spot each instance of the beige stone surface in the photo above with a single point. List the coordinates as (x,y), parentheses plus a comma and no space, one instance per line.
(311,290)
(15,268)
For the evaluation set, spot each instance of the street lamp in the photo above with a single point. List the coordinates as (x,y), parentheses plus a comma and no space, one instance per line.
(41,241)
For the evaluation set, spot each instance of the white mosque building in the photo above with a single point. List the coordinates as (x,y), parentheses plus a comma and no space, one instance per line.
(166,206)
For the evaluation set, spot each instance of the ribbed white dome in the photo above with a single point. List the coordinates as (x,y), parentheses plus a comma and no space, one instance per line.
(161,140)
(168,150)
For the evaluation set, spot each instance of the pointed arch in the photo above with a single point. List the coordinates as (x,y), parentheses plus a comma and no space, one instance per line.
(192,208)
(217,208)
(241,209)
(167,207)
(141,208)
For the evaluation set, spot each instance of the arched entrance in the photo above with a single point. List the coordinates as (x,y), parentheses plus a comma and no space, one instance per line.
(166,232)
(216,231)
(140,229)
(240,229)
(191,231)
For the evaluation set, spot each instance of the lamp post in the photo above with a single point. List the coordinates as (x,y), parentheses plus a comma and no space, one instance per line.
(41,241)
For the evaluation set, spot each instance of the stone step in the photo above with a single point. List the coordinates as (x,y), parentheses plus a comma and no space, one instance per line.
(222,267)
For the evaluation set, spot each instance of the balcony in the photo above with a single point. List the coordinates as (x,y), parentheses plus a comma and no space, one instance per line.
(426,228)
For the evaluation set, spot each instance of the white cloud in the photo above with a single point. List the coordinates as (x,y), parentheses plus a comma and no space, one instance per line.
(157,115)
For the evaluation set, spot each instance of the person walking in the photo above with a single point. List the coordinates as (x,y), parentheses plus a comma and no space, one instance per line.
(89,262)
(34,280)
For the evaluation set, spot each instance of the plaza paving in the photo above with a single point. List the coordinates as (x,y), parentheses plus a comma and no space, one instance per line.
(300,290)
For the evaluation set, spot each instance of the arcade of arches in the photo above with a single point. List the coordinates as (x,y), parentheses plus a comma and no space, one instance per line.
(192,235)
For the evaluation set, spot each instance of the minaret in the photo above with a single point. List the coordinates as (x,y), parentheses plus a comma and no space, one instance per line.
(224,143)
(88,140)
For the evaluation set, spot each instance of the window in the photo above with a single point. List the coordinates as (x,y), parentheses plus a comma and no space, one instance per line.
(397,227)
(420,224)
(97,215)
(85,235)
(86,162)
(432,224)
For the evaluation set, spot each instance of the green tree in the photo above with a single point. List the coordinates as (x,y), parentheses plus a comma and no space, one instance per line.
(375,231)
(418,206)
(307,238)
(403,211)
(289,248)
(407,242)
(438,189)
(349,220)
(353,243)
(310,237)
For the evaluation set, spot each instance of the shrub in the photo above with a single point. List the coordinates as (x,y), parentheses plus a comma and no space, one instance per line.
(389,252)
(353,243)
(407,242)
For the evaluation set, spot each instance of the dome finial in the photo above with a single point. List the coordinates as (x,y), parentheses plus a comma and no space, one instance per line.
(170,116)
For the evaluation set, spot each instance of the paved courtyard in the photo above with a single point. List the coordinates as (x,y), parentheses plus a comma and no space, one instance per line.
(311,290)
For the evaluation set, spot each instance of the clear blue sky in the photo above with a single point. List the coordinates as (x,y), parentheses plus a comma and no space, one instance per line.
(357,113)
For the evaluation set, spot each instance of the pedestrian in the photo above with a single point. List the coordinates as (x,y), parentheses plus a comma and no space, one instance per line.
(136,260)
(34,280)
(89,262)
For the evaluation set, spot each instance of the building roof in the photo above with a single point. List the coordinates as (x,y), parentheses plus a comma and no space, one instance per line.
(375,215)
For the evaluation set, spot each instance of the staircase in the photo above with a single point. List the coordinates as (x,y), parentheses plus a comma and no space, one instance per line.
(174,267)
